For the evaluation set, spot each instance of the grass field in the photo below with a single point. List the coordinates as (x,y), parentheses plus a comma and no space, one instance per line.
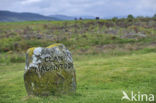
(110,56)
(100,79)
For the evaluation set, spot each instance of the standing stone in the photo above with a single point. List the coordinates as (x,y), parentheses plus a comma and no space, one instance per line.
(49,71)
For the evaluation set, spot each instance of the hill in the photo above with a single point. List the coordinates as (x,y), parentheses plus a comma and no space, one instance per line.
(63,17)
(83,35)
(7,16)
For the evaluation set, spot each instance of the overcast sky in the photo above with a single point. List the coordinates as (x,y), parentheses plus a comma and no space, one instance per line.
(102,8)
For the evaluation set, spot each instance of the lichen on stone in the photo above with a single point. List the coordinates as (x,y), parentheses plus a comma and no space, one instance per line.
(30,51)
(53,45)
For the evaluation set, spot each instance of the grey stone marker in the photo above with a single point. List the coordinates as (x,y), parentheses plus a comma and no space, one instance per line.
(49,71)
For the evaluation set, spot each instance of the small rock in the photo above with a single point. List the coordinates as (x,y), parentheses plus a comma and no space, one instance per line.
(134,35)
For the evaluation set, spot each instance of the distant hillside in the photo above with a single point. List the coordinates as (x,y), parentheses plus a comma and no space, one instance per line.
(88,17)
(63,17)
(7,16)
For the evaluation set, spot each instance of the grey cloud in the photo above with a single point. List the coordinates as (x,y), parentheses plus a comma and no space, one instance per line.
(106,8)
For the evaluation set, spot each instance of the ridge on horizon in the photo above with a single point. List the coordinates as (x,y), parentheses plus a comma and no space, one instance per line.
(11,16)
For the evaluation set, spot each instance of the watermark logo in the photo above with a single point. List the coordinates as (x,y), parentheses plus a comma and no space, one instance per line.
(137,97)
